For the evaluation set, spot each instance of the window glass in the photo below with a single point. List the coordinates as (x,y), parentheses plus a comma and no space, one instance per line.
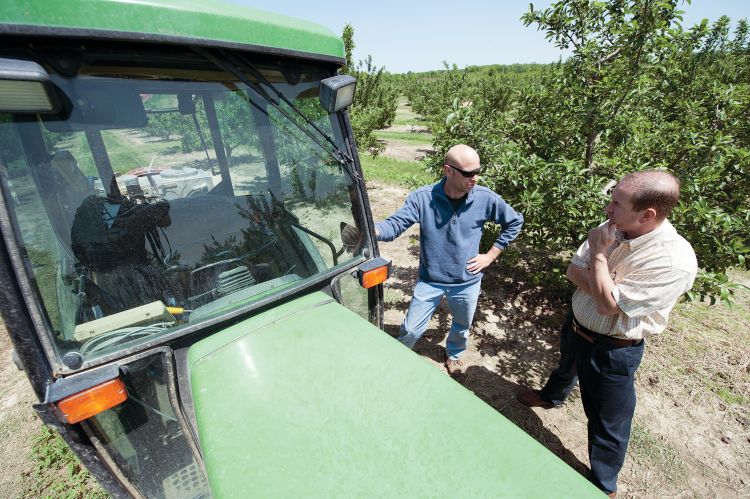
(156,201)
(143,436)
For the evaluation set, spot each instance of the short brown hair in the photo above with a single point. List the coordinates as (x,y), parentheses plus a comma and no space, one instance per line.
(655,189)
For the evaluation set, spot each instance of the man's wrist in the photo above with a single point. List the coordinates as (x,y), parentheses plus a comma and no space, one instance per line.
(494,252)
(598,258)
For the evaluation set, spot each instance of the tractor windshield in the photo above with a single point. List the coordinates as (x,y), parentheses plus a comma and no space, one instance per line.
(169,194)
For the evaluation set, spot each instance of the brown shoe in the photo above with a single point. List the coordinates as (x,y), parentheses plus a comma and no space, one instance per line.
(532,398)
(454,366)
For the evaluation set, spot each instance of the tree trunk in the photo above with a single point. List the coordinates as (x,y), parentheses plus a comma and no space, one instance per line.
(590,146)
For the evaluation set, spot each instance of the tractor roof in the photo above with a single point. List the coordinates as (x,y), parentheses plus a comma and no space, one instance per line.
(200,22)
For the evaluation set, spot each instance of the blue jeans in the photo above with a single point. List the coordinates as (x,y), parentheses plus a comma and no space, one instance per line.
(462,302)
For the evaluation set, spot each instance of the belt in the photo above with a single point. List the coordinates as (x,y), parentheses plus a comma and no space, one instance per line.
(593,337)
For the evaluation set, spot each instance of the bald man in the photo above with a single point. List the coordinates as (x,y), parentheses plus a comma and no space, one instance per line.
(629,273)
(451,215)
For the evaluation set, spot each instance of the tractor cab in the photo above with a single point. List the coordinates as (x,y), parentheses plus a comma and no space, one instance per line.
(157,193)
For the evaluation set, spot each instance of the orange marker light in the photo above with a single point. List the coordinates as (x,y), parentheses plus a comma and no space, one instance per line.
(374,277)
(92,401)
(374,272)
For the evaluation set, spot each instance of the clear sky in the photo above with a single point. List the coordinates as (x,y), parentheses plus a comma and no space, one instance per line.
(418,35)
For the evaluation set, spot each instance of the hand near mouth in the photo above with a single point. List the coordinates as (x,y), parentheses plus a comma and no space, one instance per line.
(602,237)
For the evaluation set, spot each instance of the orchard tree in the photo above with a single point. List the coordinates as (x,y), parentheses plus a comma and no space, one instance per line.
(695,124)
(612,43)
(375,99)
(348,38)
(638,92)
(233,113)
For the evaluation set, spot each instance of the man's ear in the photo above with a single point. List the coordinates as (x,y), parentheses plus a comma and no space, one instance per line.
(648,215)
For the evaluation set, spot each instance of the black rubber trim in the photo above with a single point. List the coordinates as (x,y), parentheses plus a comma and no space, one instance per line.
(185,393)
(63,387)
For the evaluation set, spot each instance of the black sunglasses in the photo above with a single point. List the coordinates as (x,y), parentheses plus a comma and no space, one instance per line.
(466,174)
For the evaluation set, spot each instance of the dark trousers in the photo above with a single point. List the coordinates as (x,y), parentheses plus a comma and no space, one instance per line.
(564,378)
(606,375)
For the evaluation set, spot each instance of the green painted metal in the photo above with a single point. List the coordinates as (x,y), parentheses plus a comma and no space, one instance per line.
(208,20)
(310,400)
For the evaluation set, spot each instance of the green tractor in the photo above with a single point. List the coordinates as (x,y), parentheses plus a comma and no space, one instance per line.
(175,180)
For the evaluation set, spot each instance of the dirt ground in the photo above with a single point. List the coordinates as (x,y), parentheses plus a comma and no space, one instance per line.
(18,422)
(405,151)
(682,445)
(402,149)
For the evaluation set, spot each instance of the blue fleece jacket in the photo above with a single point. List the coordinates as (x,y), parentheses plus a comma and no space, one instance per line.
(448,238)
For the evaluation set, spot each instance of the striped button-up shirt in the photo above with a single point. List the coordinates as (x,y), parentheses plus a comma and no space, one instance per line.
(650,273)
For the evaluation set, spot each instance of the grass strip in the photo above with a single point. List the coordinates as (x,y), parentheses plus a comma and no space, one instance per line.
(410,137)
(406,173)
(57,471)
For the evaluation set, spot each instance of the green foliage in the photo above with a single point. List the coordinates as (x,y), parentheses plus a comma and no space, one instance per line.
(431,96)
(638,92)
(236,123)
(515,74)
(348,37)
(11,152)
(297,151)
(57,472)
(431,92)
(375,99)
(613,45)
(374,105)
(560,204)
(641,92)
(233,113)
(164,125)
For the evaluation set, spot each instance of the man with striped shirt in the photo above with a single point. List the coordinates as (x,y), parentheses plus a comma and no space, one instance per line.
(629,273)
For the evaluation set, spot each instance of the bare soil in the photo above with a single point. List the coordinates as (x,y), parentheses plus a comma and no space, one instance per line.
(686,441)
(18,422)
(405,151)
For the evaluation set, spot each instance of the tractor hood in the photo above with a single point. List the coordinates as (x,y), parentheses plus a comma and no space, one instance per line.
(310,400)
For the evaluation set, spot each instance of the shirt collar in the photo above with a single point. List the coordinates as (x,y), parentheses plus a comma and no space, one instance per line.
(441,191)
(648,237)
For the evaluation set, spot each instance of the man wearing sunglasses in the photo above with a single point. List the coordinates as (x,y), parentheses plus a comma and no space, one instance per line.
(451,215)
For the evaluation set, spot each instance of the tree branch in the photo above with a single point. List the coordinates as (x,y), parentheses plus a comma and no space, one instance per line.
(609,56)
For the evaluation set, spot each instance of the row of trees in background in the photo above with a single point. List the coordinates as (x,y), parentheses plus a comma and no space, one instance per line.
(639,91)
